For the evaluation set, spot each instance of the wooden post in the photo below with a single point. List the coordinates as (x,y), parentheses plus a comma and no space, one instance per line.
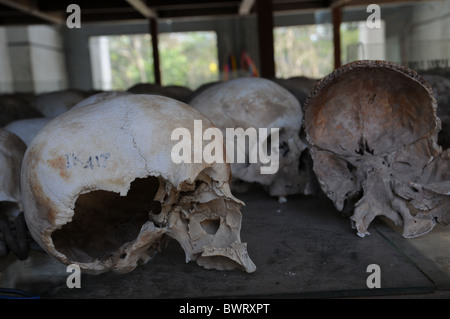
(154,36)
(265,38)
(337,19)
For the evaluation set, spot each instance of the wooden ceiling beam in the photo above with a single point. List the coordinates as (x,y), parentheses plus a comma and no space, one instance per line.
(143,9)
(347,3)
(198,12)
(61,5)
(112,17)
(246,6)
(195,3)
(30,7)
(301,5)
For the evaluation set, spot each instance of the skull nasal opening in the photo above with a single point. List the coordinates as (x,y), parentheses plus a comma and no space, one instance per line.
(103,221)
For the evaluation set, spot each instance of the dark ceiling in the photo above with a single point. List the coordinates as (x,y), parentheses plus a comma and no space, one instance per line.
(13,12)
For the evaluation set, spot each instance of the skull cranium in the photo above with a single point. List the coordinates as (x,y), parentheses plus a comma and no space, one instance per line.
(373,130)
(100,189)
(247,103)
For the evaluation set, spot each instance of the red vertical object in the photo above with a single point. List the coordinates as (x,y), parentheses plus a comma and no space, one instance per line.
(265,38)
(154,36)
(337,19)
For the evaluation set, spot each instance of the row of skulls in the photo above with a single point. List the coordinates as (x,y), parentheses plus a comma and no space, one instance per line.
(99,189)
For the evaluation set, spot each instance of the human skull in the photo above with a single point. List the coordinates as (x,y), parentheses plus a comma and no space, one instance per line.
(51,104)
(372,128)
(26,129)
(180,93)
(12,150)
(16,107)
(299,86)
(98,97)
(201,88)
(100,189)
(259,103)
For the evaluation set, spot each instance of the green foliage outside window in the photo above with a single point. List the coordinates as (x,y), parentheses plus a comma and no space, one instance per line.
(308,50)
(187,59)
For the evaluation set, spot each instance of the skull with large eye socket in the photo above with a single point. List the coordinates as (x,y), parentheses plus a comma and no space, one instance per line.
(253,105)
(373,128)
(100,189)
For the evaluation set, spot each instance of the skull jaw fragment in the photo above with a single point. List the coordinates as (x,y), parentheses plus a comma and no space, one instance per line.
(104,193)
(374,147)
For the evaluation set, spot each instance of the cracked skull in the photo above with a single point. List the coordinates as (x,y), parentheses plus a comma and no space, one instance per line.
(373,130)
(100,189)
(248,103)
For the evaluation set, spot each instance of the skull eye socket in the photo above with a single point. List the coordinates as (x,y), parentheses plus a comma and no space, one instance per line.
(284,148)
(103,221)
(350,167)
